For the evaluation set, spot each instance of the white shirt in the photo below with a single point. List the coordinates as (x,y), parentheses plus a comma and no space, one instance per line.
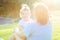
(24,24)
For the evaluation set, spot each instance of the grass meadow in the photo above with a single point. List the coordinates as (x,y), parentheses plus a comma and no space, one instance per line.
(7,29)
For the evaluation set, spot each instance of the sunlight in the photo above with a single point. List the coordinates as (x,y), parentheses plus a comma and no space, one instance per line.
(56,2)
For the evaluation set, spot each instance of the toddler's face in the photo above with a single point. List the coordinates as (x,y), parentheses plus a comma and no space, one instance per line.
(25,14)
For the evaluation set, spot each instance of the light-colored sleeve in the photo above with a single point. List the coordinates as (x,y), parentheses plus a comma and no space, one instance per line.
(20,22)
(27,31)
(20,25)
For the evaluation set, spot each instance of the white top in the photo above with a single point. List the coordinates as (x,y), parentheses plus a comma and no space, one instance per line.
(24,24)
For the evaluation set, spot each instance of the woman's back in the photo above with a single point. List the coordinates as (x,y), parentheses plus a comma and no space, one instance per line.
(38,32)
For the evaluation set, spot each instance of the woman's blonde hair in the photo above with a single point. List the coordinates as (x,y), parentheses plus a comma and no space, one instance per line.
(40,10)
(35,5)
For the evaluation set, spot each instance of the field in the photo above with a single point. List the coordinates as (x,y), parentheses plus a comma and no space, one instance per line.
(56,32)
(56,25)
(7,29)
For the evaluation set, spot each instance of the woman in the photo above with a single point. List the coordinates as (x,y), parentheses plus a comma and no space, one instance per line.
(42,29)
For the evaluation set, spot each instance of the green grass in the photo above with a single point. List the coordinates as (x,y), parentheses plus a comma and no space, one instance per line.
(56,31)
(5,33)
(6,30)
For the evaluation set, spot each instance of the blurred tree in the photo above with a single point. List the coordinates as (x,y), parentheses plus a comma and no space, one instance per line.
(11,8)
